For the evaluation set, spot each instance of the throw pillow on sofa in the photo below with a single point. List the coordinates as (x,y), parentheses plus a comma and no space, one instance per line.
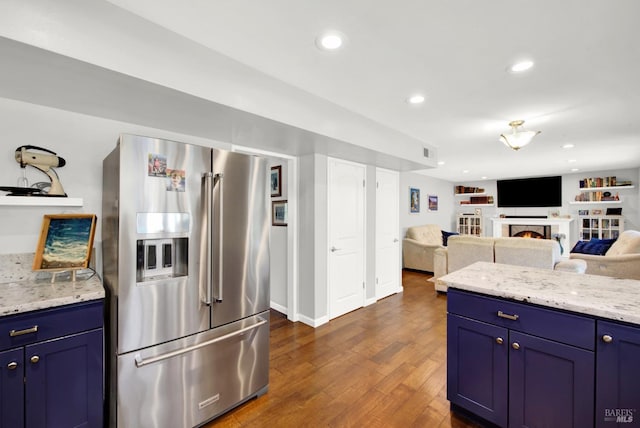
(446,235)
(598,247)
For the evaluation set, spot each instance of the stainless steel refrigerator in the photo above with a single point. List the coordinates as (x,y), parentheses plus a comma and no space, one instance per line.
(185,238)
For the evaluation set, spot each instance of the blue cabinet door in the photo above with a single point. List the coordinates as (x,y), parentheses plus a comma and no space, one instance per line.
(550,384)
(477,368)
(64,382)
(12,388)
(617,376)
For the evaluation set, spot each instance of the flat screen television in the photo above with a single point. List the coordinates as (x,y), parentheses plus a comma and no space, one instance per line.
(530,192)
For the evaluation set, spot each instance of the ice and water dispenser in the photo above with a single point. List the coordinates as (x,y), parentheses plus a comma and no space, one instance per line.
(164,254)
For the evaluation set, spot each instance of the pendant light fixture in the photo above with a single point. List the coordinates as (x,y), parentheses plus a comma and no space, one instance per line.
(519,137)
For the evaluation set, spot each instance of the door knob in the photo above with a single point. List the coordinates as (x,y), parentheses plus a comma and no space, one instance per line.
(35,359)
(515,345)
(334,249)
(499,340)
(395,239)
(12,365)
(607,339)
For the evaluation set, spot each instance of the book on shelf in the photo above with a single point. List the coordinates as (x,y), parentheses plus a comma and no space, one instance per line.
(460,190)
(611,181)
(597,197)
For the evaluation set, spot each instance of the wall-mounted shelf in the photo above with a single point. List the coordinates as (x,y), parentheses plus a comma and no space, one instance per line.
(598,189)
(477,205)
(470,194)
(593,202)
(38,201)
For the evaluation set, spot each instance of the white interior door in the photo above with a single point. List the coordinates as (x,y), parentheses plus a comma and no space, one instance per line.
(346,225)
(388,271)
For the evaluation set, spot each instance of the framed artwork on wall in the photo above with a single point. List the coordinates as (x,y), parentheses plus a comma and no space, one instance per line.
(276,181)
(279,213)
(414,200)
(433,202)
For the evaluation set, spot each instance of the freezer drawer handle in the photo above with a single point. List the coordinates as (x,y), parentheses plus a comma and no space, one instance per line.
(14,333)
(140,362)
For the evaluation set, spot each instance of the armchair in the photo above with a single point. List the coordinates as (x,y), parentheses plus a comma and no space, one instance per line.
(419,246)
(622,260)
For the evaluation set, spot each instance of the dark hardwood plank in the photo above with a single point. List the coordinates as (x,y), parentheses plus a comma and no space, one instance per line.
(379,366)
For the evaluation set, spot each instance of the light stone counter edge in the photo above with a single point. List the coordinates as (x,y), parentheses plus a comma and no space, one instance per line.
(600,296)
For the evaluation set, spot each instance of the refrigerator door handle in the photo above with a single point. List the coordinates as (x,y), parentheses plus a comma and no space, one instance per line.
(218,182)
(205,283)
(144,362)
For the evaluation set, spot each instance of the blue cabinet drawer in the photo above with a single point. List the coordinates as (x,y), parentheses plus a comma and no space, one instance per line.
(31,327)
(553,325)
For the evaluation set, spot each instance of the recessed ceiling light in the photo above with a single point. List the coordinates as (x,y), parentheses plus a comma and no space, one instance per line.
(440,162)
(575,169)
(330,41)
(521,66)
(484,177)
(465,171)
(571,160)
(416,99)
(568,146)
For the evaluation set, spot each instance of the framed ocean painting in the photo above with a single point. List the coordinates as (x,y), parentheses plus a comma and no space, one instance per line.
(65,242)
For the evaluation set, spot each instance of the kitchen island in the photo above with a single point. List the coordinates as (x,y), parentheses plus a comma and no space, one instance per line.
(532,347)
(51,347)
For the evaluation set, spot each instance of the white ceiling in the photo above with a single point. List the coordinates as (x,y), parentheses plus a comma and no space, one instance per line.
(584,88)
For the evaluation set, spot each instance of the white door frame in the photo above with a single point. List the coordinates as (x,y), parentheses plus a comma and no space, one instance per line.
(396,228)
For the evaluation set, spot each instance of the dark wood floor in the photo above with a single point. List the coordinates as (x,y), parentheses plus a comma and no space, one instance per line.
(379,366)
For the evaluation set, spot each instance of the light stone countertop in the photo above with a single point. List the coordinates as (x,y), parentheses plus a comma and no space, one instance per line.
(601,296)
(22,290)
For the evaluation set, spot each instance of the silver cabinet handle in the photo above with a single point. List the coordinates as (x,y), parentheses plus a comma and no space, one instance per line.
(508,316)
(140,362)
(334,249)
(499,340)
(515,345)
(12,365)
(607,339)
(14,333)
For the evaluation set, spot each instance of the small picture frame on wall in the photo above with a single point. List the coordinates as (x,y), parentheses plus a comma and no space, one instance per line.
(414,200)
(279,213)
(583,212)
(478,211)
(433,202)
(276,181)
(596,212)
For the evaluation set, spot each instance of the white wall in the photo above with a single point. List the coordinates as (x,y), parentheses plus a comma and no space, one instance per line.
(444,216)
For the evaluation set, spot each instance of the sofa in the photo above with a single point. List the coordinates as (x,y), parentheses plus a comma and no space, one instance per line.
(464,250)
(419,245)
(620,260)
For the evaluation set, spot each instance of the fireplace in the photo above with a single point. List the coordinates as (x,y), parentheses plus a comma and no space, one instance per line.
(556,228)
(537,231)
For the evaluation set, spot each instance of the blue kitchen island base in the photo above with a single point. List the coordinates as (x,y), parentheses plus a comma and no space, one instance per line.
(516,364)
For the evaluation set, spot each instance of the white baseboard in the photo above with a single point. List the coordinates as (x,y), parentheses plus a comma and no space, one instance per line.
(313,322)
(279,308)
(371,301)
